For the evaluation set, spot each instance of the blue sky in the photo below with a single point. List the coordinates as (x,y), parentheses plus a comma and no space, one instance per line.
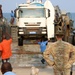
(66,5)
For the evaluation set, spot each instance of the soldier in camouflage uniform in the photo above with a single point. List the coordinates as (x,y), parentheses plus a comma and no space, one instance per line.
(63,54)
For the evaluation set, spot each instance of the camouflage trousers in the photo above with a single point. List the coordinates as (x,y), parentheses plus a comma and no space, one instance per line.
(59,72)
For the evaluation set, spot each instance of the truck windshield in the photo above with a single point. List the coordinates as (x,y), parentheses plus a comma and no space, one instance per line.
(32,12)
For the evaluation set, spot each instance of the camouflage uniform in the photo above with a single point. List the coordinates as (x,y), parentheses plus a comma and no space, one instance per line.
(63,55)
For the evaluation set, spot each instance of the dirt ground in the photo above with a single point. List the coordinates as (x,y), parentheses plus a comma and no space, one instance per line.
(27,71)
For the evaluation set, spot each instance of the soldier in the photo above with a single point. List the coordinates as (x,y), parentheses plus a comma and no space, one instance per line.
(1,14)
(63,54)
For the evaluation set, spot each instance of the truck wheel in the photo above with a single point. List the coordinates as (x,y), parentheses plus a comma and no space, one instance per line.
(20,41)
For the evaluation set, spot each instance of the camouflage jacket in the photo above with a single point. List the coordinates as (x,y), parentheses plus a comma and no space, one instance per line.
(63,54)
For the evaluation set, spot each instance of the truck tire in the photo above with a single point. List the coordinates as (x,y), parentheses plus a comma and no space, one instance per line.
(20,41)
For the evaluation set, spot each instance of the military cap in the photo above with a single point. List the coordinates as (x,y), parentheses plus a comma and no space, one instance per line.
(59,33)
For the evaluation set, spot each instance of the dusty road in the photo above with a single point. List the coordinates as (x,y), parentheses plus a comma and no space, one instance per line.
(27,71)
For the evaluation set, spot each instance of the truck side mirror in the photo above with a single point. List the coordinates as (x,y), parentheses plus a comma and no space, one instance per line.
(21,11)
(47,13)
(17,13)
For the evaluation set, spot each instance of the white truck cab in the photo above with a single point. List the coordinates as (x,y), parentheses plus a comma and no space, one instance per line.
(35,19)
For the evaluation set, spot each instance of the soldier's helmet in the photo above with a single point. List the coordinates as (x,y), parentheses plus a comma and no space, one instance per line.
(59,33)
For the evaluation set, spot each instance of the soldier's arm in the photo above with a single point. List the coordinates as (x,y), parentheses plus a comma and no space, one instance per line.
(46,55)
(72,57)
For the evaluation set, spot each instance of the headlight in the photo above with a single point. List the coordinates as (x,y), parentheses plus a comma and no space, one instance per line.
(21,32)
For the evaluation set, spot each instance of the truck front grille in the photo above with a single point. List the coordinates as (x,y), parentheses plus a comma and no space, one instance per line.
(32,23)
